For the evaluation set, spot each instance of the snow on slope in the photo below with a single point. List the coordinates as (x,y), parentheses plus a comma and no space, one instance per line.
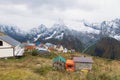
(51,36)
(117,37)
(80,29)
(38,36)
(80,26)
(60,36)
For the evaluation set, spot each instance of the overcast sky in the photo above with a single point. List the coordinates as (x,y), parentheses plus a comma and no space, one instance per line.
(27,14)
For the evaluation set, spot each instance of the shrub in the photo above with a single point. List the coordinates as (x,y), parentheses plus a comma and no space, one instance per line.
(34,52)
(51,55)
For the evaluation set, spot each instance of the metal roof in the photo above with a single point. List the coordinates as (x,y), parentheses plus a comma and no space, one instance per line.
(42,49)
(83,59)
(49,44)
(59,58)
(9,40)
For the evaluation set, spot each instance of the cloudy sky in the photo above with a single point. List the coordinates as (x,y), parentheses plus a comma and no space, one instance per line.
(27,14)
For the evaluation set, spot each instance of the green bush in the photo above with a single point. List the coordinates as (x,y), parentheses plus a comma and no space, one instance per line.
(34,52)
(50,56)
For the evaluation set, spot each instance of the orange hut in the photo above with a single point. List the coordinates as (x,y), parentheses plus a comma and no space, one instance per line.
(70,65)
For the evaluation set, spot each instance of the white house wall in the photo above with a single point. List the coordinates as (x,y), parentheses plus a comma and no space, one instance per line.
(7,52)
(17,48)
(5,44)
(18,51)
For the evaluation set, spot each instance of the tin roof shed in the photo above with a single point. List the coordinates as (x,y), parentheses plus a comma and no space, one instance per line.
(83,59)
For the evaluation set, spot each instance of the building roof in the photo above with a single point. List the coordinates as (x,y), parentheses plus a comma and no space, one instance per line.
(9,40)
(59,58)
(49,44)
(71,62)
(83,59)
(30,44)
(42,49)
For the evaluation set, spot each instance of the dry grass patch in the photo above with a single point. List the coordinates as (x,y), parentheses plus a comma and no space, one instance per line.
(40,68)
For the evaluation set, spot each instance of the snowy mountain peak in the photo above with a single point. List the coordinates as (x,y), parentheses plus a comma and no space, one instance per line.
(59,27)
(117,20)
(42,26)
(38,30)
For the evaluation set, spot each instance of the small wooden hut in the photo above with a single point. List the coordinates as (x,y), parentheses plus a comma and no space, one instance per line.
(83,63)
(59,63)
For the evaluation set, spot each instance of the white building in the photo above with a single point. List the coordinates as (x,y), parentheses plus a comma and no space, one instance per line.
(65,50)
(10,47)
(59,48)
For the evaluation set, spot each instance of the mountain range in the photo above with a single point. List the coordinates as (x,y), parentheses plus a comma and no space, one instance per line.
(87,35)
(14,32)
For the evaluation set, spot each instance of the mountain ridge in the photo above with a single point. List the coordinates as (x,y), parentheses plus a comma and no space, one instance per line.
(106,47)
(60,32)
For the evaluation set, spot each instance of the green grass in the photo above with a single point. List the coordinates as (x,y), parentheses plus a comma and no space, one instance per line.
(31,67)
(91,49)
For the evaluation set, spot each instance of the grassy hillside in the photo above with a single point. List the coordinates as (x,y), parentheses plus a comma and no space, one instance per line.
(40,68)
(107,47)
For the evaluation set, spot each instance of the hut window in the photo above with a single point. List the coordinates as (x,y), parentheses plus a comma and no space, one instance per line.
(1,43)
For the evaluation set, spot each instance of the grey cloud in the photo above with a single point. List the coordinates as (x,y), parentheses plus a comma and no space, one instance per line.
(47,11)
(59,4)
